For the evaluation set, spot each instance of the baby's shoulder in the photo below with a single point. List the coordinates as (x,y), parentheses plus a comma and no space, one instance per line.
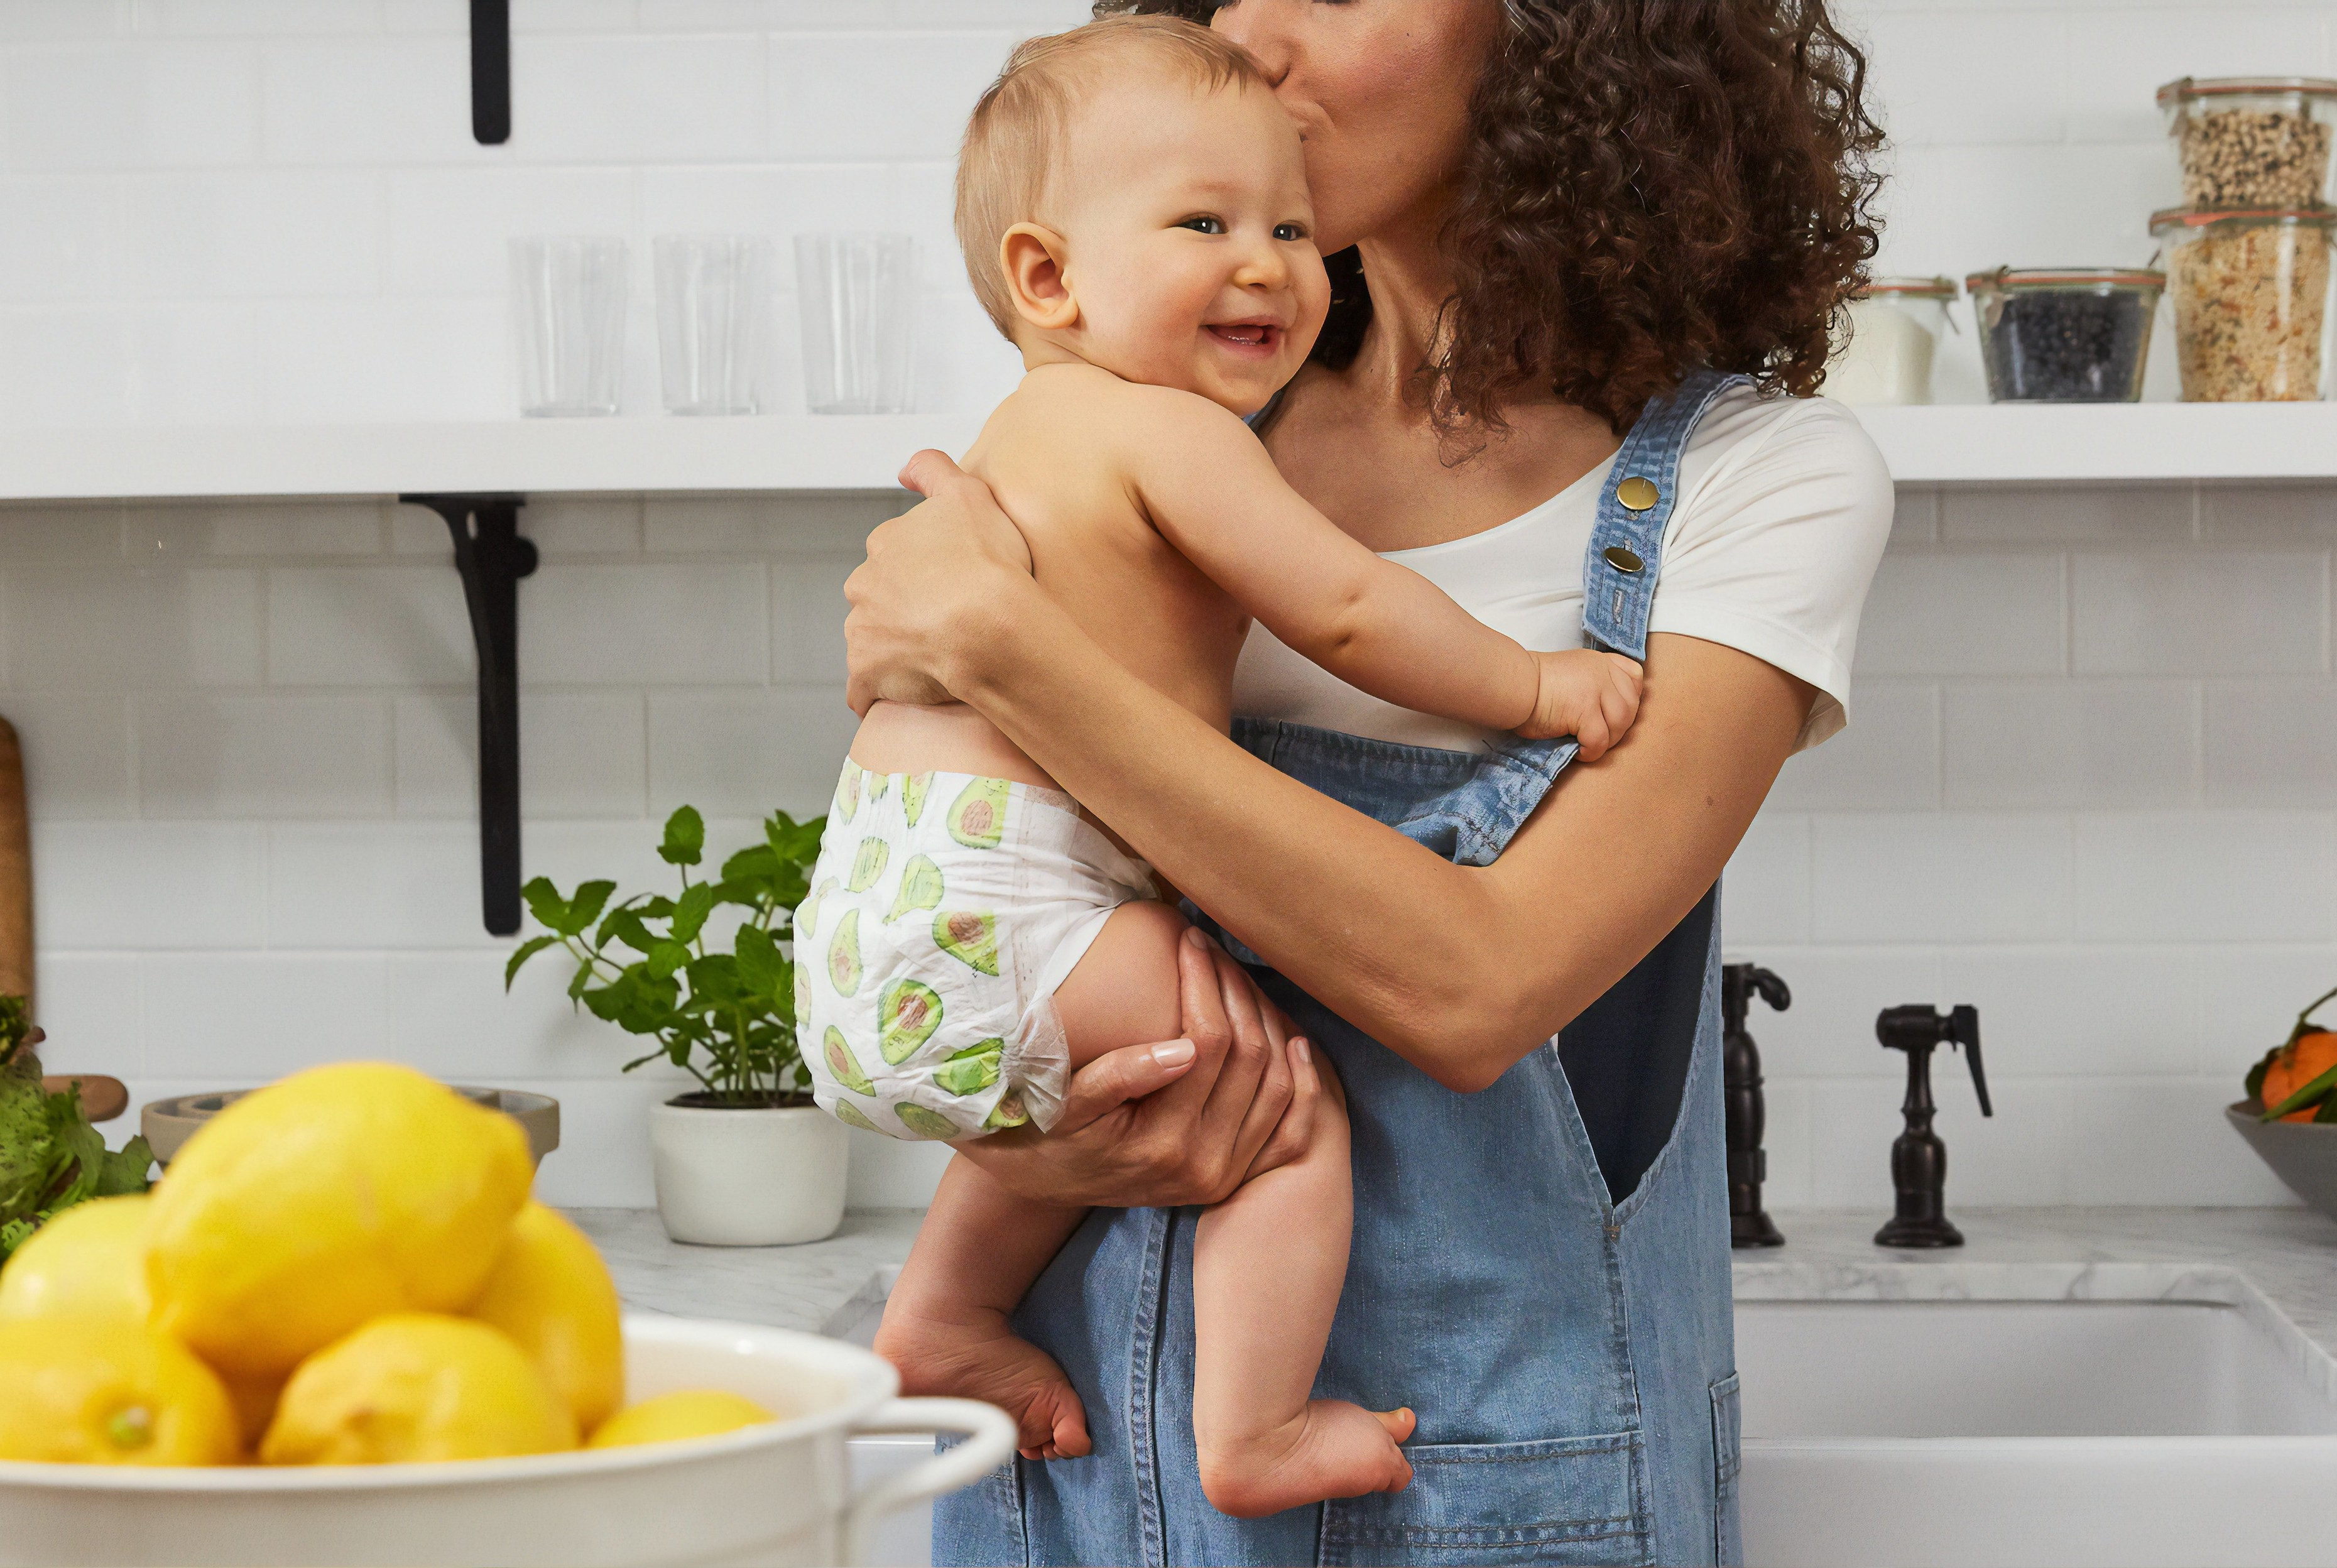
(1091,420)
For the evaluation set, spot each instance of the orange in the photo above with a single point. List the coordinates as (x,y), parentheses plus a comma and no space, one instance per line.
(2294,1068)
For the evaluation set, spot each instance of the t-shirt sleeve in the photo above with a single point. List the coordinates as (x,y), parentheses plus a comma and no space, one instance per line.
(1772,552)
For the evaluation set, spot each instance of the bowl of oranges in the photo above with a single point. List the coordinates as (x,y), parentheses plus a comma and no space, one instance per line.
(2290,1117)
(340,1330)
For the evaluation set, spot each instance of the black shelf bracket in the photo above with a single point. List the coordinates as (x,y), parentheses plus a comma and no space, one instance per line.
(490,72)
(491,558)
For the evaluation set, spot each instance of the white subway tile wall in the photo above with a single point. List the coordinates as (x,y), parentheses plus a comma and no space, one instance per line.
(2087,787)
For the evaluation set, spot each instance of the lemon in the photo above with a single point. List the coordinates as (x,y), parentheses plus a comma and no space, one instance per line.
(551,1292)
(89,1263)
(669,1417)
(100,1393)
(415,1387)
(324,1200)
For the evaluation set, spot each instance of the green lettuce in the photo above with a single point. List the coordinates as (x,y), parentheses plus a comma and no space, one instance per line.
(51,1158)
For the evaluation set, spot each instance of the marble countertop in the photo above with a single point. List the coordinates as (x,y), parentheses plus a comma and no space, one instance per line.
(2277,1266)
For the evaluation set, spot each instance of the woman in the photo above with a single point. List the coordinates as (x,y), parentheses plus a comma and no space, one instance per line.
(1583,247)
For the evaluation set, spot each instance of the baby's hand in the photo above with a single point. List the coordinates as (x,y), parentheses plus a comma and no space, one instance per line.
(1591,696)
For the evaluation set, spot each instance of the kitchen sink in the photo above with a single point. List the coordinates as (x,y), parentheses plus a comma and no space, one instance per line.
(2182,1421)
(2072,1432)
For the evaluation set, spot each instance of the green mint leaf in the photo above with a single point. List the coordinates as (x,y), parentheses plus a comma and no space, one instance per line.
(690,910)
(592,897)
(685,838)
(522,954)
(550,909)
(760,967)
(665,957)
(625,926)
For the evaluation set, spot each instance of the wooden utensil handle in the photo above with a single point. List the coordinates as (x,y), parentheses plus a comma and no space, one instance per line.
(101,1098)
(15,873)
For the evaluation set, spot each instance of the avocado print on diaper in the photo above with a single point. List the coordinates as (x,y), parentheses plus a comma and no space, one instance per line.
(912,796)
(849,1114)
(877,784)
(869,863)
(844,955)
(970,938)
(806,917)
(921,887)
(843,1064)
(1008,1113)
(907,1013)
(803,995)
(925,1123)
(972,1070)
(847,791)
(977,817)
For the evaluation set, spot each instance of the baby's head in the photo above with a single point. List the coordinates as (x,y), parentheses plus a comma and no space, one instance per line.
(1131,194)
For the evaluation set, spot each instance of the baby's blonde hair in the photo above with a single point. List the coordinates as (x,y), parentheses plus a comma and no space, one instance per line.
(1015,141)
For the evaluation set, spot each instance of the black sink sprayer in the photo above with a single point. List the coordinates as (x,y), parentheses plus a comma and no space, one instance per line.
(1749,1224)
(1919,1160)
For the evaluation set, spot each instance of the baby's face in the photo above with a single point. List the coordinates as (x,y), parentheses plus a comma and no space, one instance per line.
(1191,241)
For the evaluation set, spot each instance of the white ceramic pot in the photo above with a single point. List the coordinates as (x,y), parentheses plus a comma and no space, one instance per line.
(770,1496)
(748,1178)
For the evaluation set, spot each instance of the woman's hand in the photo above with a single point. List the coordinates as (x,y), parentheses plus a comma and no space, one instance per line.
(1186,1121)
(939,579)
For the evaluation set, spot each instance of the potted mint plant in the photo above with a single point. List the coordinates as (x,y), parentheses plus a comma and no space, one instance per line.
(746,1159)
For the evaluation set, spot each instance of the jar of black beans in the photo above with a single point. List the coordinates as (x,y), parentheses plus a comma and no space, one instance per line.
(2065,335)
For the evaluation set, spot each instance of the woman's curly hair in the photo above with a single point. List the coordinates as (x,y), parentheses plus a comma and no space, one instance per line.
(1651,185)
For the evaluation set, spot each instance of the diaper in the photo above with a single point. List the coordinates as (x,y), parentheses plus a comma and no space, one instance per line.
(945,909)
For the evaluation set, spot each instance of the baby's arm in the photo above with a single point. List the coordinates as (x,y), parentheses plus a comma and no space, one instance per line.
(1210,488)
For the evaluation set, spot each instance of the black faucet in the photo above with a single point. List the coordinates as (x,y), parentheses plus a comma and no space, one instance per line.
(1919,1160)
(1749,1224)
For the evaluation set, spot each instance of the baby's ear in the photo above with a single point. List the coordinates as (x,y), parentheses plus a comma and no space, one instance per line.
(1034,257)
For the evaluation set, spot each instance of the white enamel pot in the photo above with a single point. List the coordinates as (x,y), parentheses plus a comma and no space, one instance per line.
(748,1178)
(772,1496)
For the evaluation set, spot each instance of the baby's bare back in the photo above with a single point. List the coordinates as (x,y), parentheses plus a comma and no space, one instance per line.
(1058,454)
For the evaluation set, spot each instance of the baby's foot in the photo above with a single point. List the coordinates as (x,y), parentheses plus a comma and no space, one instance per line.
(1334,1449)
(984,1359)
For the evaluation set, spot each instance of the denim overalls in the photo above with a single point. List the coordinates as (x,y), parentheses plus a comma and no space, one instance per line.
(1541,1271)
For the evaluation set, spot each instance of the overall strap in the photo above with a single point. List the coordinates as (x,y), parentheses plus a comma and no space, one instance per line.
(1627,544)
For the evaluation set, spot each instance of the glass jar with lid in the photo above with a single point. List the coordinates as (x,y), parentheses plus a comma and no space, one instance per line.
(2252,141)
(1893,326)
(2065,334)
(2251,291)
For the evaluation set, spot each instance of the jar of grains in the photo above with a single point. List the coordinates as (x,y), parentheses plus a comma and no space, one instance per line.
(2252,141)
(2065,334)
(1894,328)
(2250,290)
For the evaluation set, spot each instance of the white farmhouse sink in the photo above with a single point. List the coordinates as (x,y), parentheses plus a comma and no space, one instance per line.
(1883,1433)
(2181,1421)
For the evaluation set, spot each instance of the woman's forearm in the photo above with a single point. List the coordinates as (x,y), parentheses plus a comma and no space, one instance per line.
(1461,971)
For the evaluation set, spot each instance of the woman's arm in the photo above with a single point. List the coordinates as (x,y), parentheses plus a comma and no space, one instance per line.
(1462,971)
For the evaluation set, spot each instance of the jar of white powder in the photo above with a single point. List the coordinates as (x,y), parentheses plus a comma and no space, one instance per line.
(1890,331)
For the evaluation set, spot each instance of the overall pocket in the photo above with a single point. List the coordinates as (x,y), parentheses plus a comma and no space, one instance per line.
(1560,1500)
(1727,1460)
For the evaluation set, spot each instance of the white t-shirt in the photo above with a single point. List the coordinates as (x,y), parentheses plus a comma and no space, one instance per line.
(1784,508)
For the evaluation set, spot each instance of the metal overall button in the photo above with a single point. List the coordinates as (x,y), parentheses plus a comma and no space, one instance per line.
(1622,559)
(1638,494)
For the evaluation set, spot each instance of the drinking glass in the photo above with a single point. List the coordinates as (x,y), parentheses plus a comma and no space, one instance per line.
(568,323)
(713,293)
(858,297)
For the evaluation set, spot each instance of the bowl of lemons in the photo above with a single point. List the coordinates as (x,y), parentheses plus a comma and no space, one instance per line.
(340,1330)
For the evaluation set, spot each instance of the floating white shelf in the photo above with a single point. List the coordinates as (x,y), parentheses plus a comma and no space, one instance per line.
(1948,445)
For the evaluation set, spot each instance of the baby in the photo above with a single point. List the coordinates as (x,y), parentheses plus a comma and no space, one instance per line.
(1133,210)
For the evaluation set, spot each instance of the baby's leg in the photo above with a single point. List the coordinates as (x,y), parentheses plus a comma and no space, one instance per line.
(946,1324)
(1267,1266)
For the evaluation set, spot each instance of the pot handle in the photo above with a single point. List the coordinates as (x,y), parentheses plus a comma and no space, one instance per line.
(990,1437)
